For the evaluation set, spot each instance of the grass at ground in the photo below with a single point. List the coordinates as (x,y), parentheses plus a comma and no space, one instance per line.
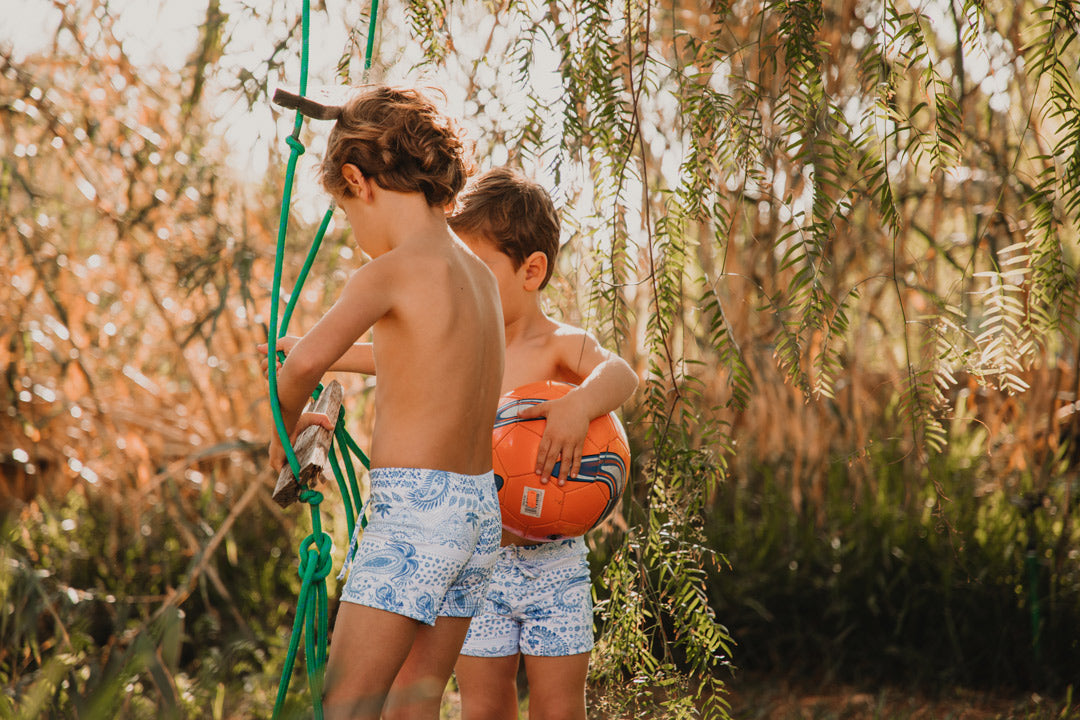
(451,704)
(762,698)
(754,698)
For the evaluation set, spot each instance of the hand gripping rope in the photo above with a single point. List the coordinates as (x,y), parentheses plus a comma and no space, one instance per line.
(315,557)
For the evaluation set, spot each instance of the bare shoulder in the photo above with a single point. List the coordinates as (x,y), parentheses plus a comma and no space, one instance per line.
(404,269)
(472,261)
(447,258)
(428,277)
(571,336)
(374,276)
(576,350)
(385,266)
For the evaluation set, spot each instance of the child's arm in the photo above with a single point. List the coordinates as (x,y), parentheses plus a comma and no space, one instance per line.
(359,358)
(607,382)
(367,296)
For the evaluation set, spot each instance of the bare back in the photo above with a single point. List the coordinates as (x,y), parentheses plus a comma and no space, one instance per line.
(438,359)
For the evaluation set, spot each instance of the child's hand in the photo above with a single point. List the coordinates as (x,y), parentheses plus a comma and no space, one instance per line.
(564,437)
(278,457)
(285,345)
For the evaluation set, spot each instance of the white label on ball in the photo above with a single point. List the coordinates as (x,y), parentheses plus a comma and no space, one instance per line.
(532,501)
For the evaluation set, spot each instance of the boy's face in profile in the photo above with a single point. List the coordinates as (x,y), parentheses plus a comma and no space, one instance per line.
(349,201)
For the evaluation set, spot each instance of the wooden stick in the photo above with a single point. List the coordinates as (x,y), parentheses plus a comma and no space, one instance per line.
(312,449)
(306,106)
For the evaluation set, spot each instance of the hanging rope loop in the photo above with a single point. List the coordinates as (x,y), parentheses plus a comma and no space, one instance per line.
(317,551)
(311,497)
(294,142)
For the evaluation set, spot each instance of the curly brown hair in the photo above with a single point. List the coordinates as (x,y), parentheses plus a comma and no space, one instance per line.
(512,212)
(398,138)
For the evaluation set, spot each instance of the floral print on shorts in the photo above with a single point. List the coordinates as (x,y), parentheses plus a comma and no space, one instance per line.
(539,602)
(430,544)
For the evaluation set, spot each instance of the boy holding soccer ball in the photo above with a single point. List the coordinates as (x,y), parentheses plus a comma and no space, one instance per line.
(539,604)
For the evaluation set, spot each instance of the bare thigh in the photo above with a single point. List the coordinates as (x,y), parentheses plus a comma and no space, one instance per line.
(417,690)
(557,686)
(488,687)
(368,649)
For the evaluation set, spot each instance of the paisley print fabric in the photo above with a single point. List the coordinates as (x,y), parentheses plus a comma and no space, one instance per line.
(430,544)
(539,602)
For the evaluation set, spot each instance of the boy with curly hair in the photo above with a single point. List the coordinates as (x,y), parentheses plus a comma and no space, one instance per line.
(417,575)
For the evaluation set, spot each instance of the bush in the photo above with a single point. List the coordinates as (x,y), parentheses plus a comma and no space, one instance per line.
(923,579)
(110,613)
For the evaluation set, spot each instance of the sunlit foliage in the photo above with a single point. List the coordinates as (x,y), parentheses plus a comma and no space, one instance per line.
(837,240)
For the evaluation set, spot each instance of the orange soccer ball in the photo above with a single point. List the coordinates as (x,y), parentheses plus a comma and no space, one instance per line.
(544,512)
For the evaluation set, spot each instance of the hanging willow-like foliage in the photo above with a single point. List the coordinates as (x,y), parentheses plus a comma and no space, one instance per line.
(796,179)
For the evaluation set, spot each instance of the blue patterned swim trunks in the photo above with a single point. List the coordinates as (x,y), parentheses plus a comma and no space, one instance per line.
(539,602)
(430,544)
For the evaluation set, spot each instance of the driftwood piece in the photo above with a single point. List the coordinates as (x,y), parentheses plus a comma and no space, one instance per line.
(312,448)
(306,106)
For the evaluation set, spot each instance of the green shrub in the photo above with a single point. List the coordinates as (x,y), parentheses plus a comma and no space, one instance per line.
(91,627)
(920,580)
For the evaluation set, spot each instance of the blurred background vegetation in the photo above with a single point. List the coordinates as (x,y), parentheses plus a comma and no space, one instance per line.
(839,241)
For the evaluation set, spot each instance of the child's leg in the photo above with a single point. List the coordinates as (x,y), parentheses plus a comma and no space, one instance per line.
(368,648)
(488,687)
(557,686)
(418,688)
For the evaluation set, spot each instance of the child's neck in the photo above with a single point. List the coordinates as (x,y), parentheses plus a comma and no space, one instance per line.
(529,322)
(402,218)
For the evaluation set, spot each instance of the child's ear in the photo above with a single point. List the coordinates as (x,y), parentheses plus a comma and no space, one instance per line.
(358,184)
(536,266)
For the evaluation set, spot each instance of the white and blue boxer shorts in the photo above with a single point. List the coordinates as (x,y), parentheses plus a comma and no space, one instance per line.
(539,603)
(430,544)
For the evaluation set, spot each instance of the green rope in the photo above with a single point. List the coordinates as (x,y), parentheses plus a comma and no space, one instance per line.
(370,38)
(296,150)
(308,262)
(316,561)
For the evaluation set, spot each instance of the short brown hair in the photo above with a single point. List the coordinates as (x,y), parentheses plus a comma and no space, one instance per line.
(398,138)
(512,212)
